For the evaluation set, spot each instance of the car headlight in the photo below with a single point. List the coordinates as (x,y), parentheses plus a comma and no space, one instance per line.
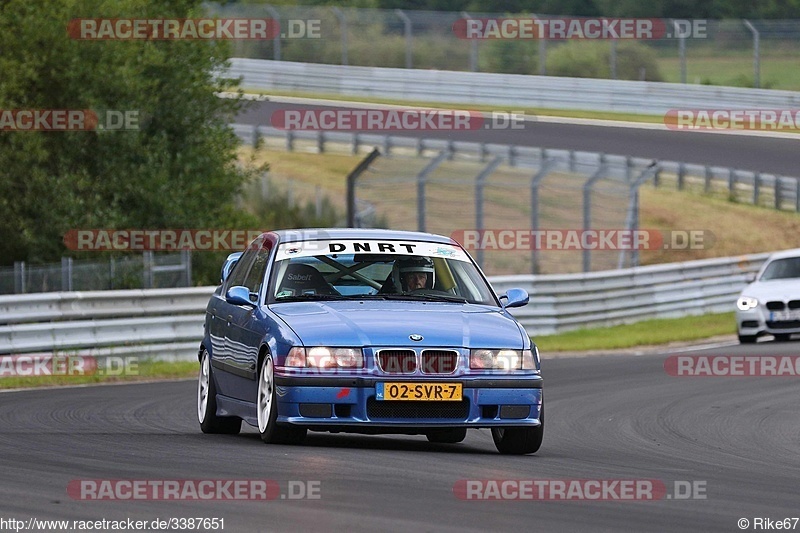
(484,359)
(325,357)
(746,303)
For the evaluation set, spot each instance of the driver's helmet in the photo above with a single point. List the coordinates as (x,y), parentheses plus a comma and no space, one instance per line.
(411,264)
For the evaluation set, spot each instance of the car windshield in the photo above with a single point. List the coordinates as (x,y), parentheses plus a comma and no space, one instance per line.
(782,269)
(384,270)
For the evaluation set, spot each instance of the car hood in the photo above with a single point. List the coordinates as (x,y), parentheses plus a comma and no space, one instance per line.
(390,323)
(778,289)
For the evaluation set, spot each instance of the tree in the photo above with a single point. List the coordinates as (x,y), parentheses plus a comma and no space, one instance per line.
(177,170)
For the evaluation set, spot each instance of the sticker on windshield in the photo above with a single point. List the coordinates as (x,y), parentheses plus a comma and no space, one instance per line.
(387,247)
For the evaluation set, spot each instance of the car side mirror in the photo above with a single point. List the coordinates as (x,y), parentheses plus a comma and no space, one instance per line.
(227,266)
(515,298)
(239,295)
(751,277)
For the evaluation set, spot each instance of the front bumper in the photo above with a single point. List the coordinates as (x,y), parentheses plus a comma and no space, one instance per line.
(756,322)
(349,403)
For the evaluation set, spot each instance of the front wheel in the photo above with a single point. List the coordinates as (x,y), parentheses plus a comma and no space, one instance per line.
(271,432)
(519,441)
(207,403)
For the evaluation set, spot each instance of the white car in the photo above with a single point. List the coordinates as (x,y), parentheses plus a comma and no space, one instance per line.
(771,303)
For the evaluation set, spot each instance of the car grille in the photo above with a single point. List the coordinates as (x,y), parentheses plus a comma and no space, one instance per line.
(397,361)
(399,409)
(794,304)
(789,324)
(775,306)
(439,361)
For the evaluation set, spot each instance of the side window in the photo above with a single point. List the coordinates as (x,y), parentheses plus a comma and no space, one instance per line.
(255,277)
(239,273)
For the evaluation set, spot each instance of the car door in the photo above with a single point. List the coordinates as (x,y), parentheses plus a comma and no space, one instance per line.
(220,324)
(247,326)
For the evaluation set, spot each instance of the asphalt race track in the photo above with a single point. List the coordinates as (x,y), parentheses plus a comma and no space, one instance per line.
(608,417)
(773,155)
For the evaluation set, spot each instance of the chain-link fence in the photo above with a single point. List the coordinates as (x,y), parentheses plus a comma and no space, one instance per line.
(149,270)
(722,52)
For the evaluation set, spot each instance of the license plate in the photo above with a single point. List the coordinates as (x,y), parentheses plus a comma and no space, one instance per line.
(784,316)
(438,392)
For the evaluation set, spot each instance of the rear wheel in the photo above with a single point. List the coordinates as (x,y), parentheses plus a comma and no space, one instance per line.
(271,432)
(447,436)
(747,339)
(207,403)
(519,441)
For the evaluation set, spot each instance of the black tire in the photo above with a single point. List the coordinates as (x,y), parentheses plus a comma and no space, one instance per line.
(518,441)
(207,403)
(783,337)
(447,436)
(747,339)
(267,410)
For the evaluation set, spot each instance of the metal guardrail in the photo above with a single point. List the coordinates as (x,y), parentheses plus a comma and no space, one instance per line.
(169,323)
(779,192)
(476,88)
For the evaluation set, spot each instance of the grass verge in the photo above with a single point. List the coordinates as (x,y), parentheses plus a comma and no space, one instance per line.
(645,333)
(565,113)
(144,371)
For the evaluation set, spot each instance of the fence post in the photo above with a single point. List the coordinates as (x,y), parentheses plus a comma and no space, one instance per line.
(681,174)
(731,184)
(343,28)
(19,277)
(756,54)
(473,47)
(536,180)
(613,59)
(542,57)
(320,142)
(681,49)
(707,180)
(112,272)
(147,269)
(186,260)
(276,40)
(587,207)
(66,274)
(756,187)
(778,192)
(351,185)
(422,179)
(407,31)
(289,141)
(480,180)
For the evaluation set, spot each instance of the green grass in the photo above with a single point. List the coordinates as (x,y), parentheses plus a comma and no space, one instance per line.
(147,370)
(779,72)
(645,333)
(567,113)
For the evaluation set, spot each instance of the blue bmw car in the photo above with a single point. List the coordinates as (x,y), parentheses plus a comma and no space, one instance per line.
(366,331)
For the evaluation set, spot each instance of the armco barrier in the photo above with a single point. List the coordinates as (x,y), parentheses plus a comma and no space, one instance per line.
(476,88)
(168,324)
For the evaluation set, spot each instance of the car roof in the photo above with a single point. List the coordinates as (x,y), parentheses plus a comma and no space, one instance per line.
(313,234)
(794,252)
